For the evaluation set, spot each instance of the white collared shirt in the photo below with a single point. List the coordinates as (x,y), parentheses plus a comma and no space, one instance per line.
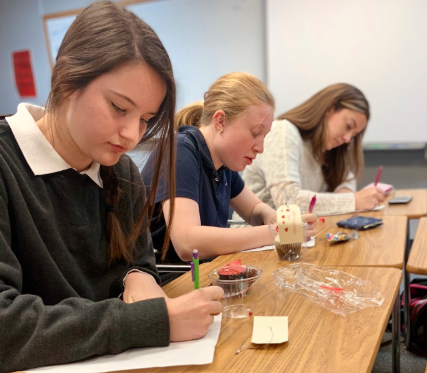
(38,152)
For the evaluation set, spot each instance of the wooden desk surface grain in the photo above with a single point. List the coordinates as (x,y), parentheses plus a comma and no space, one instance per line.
(383,246)
(417,262)
(415,209)
(319,340)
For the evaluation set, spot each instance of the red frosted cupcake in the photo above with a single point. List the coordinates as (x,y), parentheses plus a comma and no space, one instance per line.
(232,271)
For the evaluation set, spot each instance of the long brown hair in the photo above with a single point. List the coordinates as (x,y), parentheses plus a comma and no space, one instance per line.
(233,93)
(310,118)
(103,37)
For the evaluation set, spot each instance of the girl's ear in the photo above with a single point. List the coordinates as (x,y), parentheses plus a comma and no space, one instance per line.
(218,120)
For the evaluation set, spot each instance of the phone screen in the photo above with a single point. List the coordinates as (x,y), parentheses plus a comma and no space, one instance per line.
(400,199)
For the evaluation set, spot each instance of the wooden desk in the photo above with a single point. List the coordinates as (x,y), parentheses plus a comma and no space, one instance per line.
(417,262)
(383,246)
(415,209)
(319,340)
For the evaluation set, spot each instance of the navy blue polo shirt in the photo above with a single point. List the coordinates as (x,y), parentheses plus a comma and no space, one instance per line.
(197,179)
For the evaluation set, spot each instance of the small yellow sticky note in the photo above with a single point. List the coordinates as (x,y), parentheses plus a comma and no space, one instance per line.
(289,224)
(270,329)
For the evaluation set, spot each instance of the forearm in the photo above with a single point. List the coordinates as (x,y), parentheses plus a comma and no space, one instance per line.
(262,214)
(75,329)
(325,202)
(213,241)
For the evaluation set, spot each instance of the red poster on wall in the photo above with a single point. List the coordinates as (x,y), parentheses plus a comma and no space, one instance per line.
(24,78)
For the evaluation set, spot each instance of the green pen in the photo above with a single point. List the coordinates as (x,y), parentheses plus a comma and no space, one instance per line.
(195,269)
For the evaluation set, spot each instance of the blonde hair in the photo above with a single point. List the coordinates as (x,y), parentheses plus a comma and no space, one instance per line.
(233,93)
(190,114)
(310,118)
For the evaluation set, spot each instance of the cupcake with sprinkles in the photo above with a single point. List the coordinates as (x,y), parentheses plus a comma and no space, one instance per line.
(233,271)
(236,271)
(239,283)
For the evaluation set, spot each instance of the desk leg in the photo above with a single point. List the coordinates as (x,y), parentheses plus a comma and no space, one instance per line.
(396,335)
(407,313)
(407,298)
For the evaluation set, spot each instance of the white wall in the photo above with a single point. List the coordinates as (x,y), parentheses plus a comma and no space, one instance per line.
(21,28)
(204,38)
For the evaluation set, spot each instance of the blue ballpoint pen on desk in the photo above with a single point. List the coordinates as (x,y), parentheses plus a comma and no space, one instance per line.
(195,269)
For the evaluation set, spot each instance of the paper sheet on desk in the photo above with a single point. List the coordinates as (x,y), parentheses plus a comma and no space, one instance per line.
(270,329)
(179,353)
(310,243)
(264,248)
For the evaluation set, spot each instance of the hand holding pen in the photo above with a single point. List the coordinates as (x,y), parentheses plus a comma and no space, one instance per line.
(368,198)
(190,315)
(310,218)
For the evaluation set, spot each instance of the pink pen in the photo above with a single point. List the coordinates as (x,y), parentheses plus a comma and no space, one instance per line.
(312,203)
(377,178)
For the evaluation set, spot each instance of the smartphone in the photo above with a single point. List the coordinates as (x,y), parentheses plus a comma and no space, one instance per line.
(400,199)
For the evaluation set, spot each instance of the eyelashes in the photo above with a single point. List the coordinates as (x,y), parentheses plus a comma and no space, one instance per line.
(117,108)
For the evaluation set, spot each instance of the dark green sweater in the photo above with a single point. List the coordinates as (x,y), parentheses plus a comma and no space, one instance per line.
(58,297)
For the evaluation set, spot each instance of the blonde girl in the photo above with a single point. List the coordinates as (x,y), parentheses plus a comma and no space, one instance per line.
(216,140)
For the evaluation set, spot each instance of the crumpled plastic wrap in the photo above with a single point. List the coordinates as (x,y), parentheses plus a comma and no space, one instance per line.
(337,291)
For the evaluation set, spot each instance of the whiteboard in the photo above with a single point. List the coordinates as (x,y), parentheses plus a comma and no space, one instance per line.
(378,46)
(56,29)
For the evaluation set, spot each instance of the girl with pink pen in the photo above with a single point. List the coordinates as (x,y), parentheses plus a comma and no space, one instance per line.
(316,147)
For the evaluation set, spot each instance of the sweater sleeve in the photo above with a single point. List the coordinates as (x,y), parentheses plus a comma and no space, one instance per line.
(326,203)
(34,334)
(281,165)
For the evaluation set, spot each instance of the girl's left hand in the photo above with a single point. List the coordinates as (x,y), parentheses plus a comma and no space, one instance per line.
(141,286)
